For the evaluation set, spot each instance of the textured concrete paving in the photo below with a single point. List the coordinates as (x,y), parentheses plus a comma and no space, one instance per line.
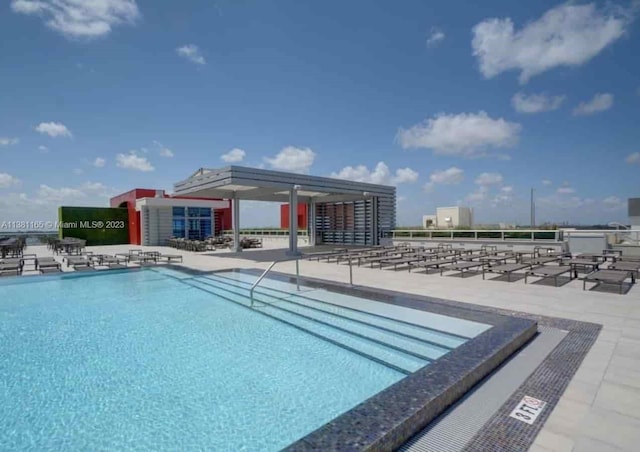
(600,411)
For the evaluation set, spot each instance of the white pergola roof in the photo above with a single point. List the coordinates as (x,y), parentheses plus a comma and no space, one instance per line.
(266,185)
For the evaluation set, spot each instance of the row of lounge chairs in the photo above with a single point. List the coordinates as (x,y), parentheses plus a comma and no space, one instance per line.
(211,243)
(16,265)
(540,262)
(90,260)
(85,261)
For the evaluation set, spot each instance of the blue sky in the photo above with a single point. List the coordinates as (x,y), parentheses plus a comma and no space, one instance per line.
(470,103)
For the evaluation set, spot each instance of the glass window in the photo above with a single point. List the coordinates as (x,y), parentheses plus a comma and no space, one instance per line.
(205,227)
(178,211)
(179,228)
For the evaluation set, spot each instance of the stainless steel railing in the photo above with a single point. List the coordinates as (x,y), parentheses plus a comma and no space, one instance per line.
(264,273)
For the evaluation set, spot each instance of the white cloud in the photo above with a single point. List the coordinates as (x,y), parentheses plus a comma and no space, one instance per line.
(43,205)
(192,53)
(465,134)
(134,162)
(613,202)
(489,179)
(6,141)
(436,36)
(163,150)
(234,155)
(53,129)
(379,175)
(566,35)
(80,18)
(507,189)
(78,171)
(599,102)
(633,158)
(99,162)
(536,103)
(565,190)
(50,194)
(291,158)
(404,176)
(449,176)
(7,180)
(546,182)
(43,148)
(479,194)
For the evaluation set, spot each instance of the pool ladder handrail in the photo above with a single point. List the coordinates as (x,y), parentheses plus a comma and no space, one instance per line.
(264,273)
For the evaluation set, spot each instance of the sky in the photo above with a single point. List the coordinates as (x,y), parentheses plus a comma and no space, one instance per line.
(456,103)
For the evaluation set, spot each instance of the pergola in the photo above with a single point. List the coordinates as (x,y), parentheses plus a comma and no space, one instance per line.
(243,183)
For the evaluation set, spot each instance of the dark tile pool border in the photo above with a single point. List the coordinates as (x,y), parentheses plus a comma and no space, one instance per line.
(388,419)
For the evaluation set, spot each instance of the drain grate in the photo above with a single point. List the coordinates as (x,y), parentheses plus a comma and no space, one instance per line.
(459,424)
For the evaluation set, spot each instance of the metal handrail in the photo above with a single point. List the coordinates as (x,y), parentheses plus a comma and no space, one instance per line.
(264,273)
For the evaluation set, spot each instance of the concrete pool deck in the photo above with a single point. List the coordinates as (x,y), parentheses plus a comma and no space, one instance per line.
(598,411)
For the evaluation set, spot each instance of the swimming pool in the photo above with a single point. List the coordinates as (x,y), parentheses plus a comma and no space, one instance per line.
(159,359)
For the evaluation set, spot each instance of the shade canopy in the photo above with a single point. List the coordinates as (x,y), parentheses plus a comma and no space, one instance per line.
(265,185)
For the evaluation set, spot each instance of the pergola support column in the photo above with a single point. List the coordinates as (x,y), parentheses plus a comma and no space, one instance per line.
(311,227)
(235,218)
(293,222)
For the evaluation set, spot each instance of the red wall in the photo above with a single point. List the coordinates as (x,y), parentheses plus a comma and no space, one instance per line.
(128,199)
(302,216)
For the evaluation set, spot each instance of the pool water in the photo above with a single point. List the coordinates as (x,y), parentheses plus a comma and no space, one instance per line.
(161,360)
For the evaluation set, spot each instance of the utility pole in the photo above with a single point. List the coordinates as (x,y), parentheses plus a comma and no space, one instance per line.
(533,211)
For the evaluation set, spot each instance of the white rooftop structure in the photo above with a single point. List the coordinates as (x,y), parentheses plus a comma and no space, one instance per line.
(341,211)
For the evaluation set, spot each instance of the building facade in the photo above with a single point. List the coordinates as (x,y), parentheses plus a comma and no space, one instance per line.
(634,213)
(155,216)
(449,217)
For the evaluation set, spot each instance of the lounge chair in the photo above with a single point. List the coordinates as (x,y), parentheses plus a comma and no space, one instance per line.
(539,260)
(427,264)
(77,262)
(48,265)
(171,257)
(461,266)
(549,271)
(10,261)
(507,269)
(608,277)
(11,268)
(109,261)
(403,260)
(631,266)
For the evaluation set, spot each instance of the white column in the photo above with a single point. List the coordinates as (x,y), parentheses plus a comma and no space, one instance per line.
(235,220)
(311,216)
(293,222)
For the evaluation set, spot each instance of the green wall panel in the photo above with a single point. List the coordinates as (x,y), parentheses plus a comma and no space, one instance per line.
(96,225)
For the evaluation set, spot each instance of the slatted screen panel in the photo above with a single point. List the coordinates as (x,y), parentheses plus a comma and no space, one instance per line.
(352,223)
